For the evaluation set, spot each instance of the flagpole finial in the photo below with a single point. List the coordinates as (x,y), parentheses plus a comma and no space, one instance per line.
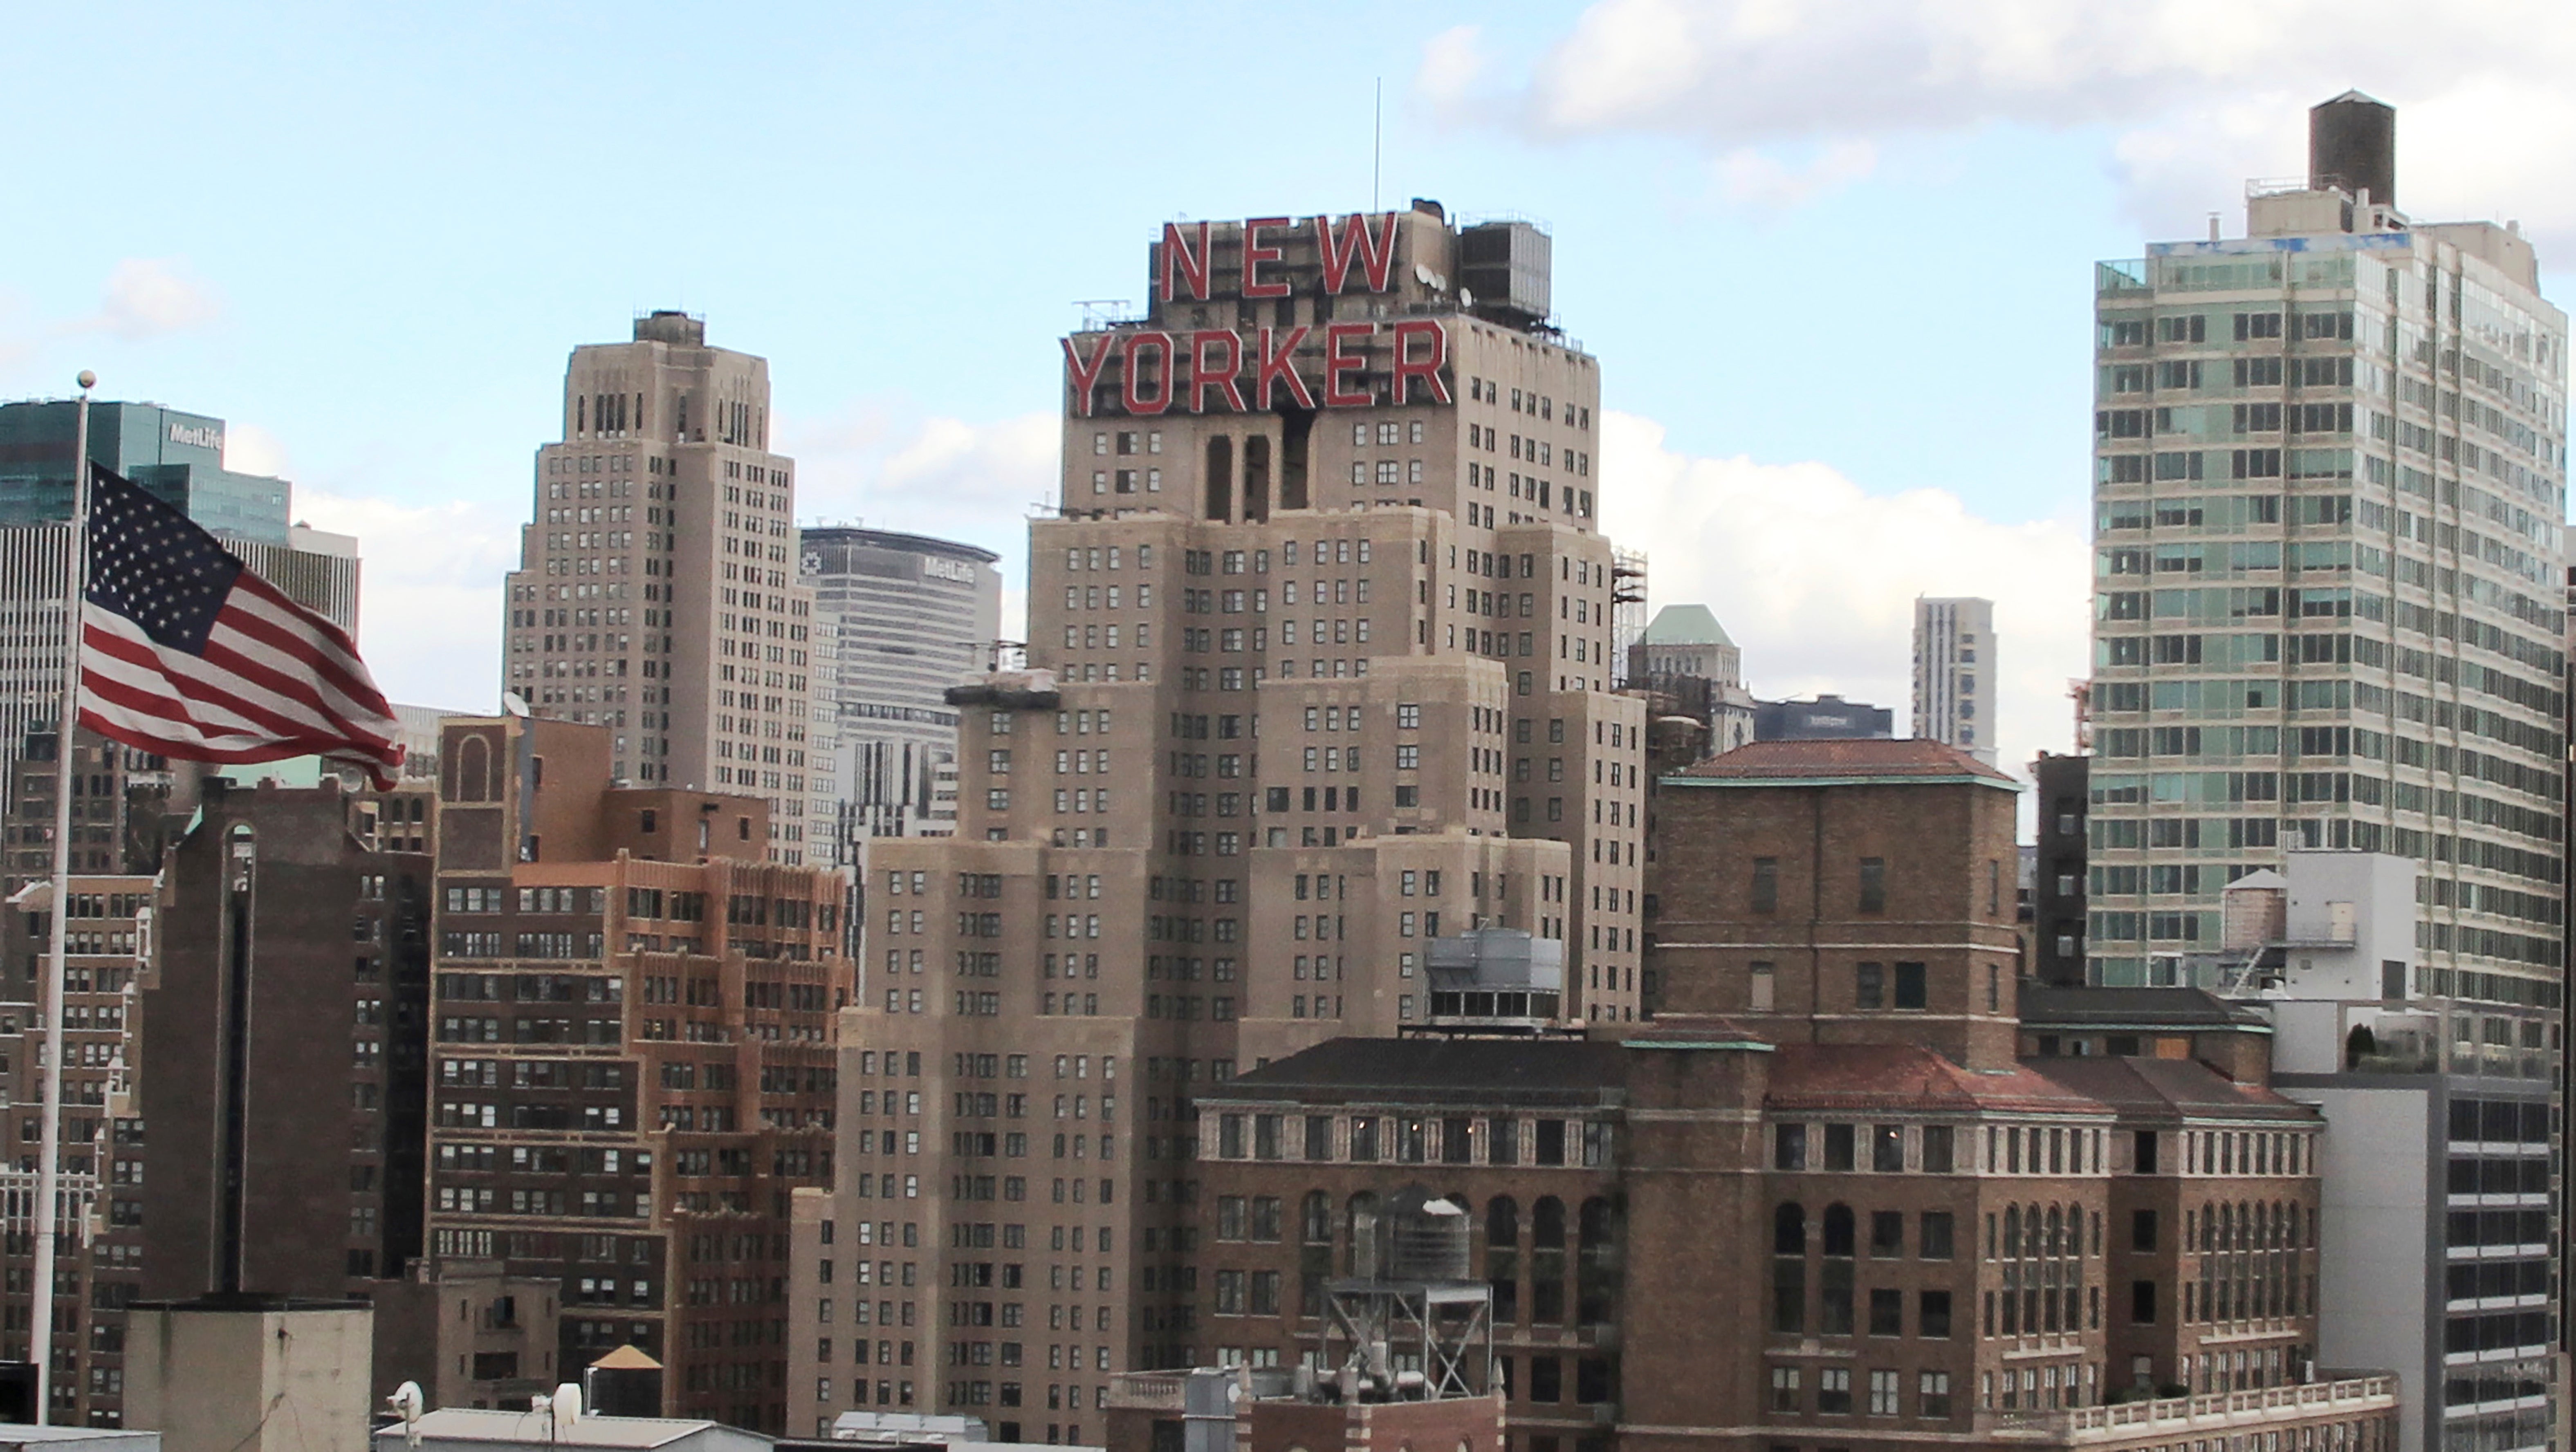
(87,380)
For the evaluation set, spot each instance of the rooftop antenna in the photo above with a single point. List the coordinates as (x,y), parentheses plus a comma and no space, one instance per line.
(1377,135)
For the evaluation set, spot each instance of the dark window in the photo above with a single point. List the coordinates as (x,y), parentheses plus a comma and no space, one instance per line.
(1873,884)
(1788,1295)
(1789,1230)
(1551,1142)
(1910,990)
(1937,1157)
(1886,1233)
(1789,1147)
(2142,1230)
(2142,1303)
(1932,1314)
(1839,1141)
(1886,1313)
(2145,1152)
(1547,1379)
(1932,1240)
(1869,985)
(1887,1149)
(1766,884)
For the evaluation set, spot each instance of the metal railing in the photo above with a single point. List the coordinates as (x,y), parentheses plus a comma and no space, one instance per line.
(2122,1419)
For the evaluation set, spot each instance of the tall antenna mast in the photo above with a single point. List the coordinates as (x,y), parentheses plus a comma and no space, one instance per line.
(1377,136)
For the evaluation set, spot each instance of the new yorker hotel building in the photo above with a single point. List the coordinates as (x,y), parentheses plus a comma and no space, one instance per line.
(2331,465)
(657,594)
(1319,671)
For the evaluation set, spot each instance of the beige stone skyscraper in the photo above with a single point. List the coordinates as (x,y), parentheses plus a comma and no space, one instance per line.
(657,588)
(1319,674)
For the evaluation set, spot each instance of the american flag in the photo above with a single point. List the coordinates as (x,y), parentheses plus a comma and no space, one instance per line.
(187,653)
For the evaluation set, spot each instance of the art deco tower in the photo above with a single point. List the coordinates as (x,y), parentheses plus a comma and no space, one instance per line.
(657,588)
(1319,672)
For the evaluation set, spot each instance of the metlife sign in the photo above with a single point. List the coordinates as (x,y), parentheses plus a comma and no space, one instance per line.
(198,435)
(959,571)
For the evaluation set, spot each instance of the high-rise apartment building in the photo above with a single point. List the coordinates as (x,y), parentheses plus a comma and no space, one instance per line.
(1954,674)
(908,617)
(633,1067)
(2331,473)
(1319,671)
(657,591)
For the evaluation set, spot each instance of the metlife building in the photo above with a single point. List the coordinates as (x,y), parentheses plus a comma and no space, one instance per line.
(179,457)
(907,617)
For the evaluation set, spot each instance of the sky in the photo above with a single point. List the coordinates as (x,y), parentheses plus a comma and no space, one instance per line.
(1835,255)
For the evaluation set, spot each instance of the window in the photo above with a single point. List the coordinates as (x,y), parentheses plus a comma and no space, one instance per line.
(2142,1230)
(1833,1390)
(1938,1155)
(1887,1149)
(1882,1393)
(1873,884)
(2142,1303)
(1932,1235)
(1784,1389)
(1789,1147)
(1766,884)
(1932,1395)
(1910,991)
(1932,1314)
(1886,1234)
(1839,1145)
(1886,1312)
(1869,986)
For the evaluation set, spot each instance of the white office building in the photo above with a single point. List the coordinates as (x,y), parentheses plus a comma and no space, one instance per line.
(1954,674)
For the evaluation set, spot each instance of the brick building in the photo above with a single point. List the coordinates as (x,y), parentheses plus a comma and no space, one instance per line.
(633,1060)
(1826,1200)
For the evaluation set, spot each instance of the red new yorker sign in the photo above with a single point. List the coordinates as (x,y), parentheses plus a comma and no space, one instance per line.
(1303,366)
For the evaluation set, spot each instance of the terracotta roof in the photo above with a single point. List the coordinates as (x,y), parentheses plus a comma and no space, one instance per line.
(1898,1076)
(2181,1086)
(1793,760)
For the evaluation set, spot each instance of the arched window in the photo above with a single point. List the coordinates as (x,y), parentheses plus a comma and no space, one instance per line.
(473,768)
(1220,478)
(1594,1225)
(1317,1218)
(1503,1257)
(2056,1228)
(1256,478)
(1839,1238)
(2012,1232)
(1789,1230)
(1547,1223)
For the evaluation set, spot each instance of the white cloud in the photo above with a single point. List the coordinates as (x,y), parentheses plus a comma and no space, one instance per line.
(2199,94)
(1453,65)
(150,298)
(1752,175)
(891,468)
(429,610)
(1815,577)
(250,449)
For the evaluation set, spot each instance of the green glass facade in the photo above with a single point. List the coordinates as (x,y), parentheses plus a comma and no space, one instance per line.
(2330,481)
(178,456)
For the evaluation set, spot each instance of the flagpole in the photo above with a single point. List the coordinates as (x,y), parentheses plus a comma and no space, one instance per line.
(49,1157)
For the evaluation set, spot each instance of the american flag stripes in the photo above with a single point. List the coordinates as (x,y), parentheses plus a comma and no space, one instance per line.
(187,653)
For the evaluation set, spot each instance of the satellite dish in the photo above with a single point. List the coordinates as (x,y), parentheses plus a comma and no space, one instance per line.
(406,1403)
(566,1403)
(514,703)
